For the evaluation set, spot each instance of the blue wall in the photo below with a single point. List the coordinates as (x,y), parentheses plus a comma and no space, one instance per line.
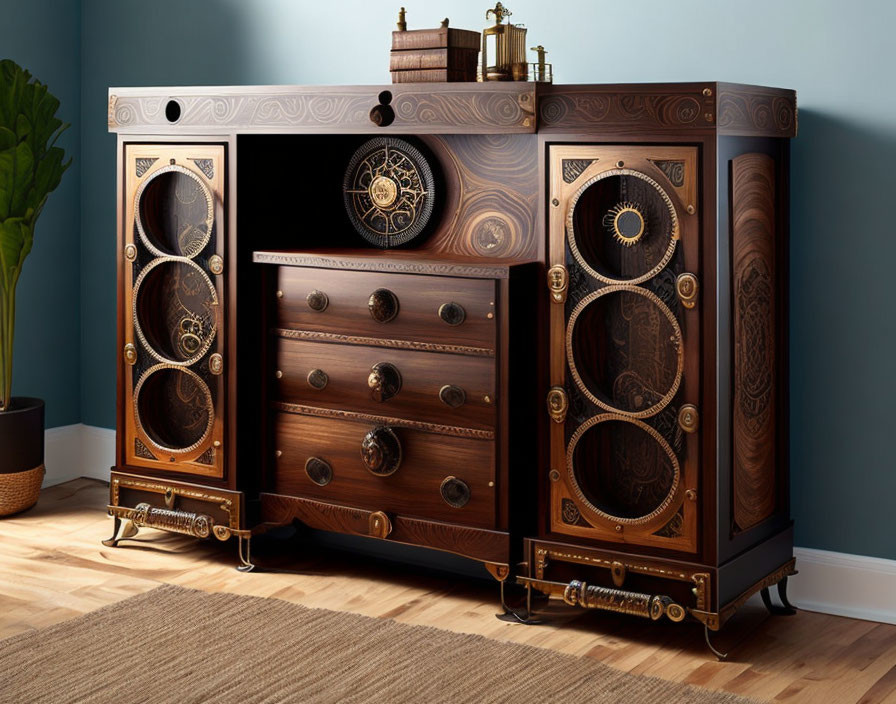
(843,243)
(44,36)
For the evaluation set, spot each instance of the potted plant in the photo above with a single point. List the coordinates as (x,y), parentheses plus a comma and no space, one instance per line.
(31,167)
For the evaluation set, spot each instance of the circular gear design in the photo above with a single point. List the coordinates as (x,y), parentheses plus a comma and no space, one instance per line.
(389,191)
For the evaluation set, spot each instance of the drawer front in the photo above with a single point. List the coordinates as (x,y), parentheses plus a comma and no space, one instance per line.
(404,306)
(435,388)
(414,489)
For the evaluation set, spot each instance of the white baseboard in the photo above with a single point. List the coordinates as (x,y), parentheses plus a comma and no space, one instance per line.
(844,585)
(829,582)
(79,450)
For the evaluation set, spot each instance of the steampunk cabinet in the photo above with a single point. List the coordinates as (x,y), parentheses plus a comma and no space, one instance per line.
(540,326)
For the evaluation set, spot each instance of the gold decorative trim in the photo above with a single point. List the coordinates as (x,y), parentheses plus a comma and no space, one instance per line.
(571,237)
(209,220)
(208,404)
(454,430)
(676,339)
(216,264)
(714,621)
(382,342)
(227,502)
(588,507)
(216,364)
(209,339)
(375,264)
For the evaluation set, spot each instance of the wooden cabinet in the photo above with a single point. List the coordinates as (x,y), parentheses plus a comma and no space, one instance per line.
(573,369)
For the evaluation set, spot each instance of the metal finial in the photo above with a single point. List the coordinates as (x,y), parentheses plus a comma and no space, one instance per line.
(402,24)
(445,23)
(500,12)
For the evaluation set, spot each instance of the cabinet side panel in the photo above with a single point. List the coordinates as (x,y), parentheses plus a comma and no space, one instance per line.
(753,316)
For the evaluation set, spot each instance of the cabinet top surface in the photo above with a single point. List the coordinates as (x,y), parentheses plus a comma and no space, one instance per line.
(472,108)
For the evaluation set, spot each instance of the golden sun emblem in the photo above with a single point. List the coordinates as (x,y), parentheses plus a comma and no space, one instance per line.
(626,223)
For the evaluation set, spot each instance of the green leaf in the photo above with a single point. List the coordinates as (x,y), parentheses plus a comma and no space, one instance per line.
(16,177)
(15,236)
(7,139)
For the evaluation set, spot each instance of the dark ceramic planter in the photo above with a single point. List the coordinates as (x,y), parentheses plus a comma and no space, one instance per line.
(22,435)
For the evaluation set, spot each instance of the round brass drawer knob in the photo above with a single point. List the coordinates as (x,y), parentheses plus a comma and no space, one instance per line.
(381,451)
(216,364)
(318,379)
(687,287)
(319,471)
(452,313)
(452,396)
(384,381)
(455,492)
(317,301)
(383,305)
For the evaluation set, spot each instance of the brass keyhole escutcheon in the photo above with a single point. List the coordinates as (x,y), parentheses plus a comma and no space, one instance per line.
(687,286)
(452,396)
(384,381)
(383,305)
(452,313)
(216,264)
(130,354)
(318,379)
(688,418)
(381,451)
(317,301)
(558,404)
(558,283)
(216,364)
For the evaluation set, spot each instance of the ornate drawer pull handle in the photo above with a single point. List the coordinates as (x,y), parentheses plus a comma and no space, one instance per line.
(198,525)
(318,379)
(383,305)
(455,492)
(452,313)
(558,283)
(452,396)
(688,418)
(381,451)
(317,301)
(558,404)
(319,471)
(384,381)
(379,525)
(635,603)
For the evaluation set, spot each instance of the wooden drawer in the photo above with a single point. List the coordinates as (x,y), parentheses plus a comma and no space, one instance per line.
(345,373)
(417,319)
(414,489)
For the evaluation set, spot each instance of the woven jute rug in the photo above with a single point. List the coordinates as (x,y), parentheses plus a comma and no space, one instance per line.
(180,645)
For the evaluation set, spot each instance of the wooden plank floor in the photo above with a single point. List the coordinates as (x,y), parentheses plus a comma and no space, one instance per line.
(53,567)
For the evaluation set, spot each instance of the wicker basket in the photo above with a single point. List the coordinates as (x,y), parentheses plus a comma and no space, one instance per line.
(19,490)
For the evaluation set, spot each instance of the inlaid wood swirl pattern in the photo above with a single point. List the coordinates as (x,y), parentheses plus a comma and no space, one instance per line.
(756,112)
(753,267)
(631,107)
(498,177)
(460,108)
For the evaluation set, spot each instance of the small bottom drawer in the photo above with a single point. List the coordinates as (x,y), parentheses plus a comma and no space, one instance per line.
(433,476)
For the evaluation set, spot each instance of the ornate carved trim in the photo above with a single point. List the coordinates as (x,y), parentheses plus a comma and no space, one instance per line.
(631,107)
(206,166)
(454,108)
(453,430)
(143,165)
(756,112)
(673,169)
(573,168)
(475,271)
(381,342)
(228,502)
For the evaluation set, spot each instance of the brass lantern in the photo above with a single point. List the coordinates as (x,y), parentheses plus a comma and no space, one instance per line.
(504,55)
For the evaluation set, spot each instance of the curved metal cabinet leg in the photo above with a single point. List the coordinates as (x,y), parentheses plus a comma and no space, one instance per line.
(245,560)
(790,609)
(719,654)
(120,531)
(787,609)
(512,616)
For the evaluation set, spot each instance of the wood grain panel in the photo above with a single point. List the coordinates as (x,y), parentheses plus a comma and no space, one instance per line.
(423,374)
(753,316)
(492,206)
(420,298)
(755,111)
(413,490)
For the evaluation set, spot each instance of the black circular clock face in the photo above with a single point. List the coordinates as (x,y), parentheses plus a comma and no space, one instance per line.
(389,191)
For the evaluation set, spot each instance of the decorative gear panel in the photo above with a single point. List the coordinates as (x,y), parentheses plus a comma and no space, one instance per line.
(390,192)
